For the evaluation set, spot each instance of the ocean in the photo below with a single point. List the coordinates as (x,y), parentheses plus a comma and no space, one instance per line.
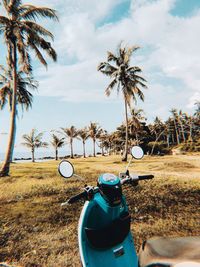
(40,155)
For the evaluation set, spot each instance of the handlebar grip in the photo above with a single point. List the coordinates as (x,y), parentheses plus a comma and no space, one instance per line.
(145,177)
(77,197)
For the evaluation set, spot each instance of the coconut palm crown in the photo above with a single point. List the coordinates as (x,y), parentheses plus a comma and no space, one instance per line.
(124,78)
(83,135)
(57,142)
(70,133)
(33,141)
(94,132)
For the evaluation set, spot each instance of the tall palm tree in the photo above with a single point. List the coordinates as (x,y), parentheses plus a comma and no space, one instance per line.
(94,132)
(158,129)
(83,135)
(33,141)
(181,119)
(103,138)
(22,33)
(70,133)
(175,120)
(125,78)
(57,143)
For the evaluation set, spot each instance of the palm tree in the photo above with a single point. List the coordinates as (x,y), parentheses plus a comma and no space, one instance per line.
(21,33)
(125,78)
(94,132)
(70,133)
(197,111)
(181,119)
(175,120)
(83,135)
(57,143)
(158,129)
(103,138)
(33,141)
(135,123)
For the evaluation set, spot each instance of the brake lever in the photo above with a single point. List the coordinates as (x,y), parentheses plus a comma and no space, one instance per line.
(134,179)
(64,204)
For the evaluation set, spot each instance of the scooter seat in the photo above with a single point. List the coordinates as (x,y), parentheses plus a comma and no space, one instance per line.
(169,251)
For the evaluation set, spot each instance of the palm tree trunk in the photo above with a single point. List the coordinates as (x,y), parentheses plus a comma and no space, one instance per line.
(56,153)
(182,130)
(33,154)
(168,140)
(110,147)
(176,130)
(71,145)
(190,136)
(8,158)
(102,151)
(157,138)
(124,158)
(94,152)
(173,141)
(84,149)
(14,135)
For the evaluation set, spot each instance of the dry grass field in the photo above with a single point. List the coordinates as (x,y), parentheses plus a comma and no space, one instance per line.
(36,231)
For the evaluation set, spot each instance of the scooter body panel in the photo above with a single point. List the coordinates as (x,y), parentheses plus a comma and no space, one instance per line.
(97,213)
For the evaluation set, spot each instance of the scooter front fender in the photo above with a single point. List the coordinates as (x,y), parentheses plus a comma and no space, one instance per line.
(120,255)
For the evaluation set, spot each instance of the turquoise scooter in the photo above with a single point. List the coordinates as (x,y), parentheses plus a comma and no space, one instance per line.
(104,235)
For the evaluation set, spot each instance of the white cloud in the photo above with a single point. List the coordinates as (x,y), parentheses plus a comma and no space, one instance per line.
(74,83)
(173,53)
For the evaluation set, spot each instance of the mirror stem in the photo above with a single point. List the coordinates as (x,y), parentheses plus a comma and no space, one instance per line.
(81,178)
(129,163)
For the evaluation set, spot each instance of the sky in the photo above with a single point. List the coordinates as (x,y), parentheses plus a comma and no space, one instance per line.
(71,91)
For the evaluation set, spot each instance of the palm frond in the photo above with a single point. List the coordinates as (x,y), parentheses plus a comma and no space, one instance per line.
(57,141)
(106,68)
(51,52)
(111,57)
(128,53)
(38,54)
(110,87)
(138,92)
(32,13)
(36,41)
(38,28)
(13,6)
(5,3)
(4,20)
(26,144)
(4,96)
(27,138)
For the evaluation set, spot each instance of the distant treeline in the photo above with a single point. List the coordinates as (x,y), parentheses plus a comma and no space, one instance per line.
(160,137)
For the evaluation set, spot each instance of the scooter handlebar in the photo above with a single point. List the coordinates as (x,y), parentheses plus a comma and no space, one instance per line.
(132,178)
(145,177)
(77,197)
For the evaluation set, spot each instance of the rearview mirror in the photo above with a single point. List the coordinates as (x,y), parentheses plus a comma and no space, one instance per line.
(66,169)
(137,152)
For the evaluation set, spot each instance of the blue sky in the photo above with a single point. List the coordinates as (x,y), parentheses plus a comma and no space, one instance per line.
(71,92)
